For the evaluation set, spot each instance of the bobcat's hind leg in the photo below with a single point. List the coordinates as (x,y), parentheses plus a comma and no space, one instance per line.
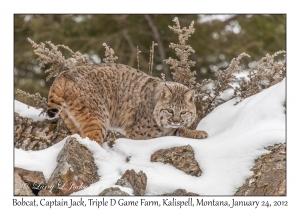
(85,118)
(88,123)
(56,97)
(69,122)
(94,129)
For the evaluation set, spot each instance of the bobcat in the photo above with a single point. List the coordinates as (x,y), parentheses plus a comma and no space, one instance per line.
(92,99)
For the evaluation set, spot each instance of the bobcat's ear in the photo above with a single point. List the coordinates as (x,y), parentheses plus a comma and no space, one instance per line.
(189,95)
(167,92)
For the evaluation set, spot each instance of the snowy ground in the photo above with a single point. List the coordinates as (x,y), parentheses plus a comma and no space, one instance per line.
(237,136)
(27,111)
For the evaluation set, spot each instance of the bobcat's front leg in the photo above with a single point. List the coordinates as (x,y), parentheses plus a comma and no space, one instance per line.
(194,134)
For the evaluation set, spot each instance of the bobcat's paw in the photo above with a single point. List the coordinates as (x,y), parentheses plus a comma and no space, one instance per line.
(51,113)
(200,134)
(194,134)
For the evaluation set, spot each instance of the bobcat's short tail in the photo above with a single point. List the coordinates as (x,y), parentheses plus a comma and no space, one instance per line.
(56,97)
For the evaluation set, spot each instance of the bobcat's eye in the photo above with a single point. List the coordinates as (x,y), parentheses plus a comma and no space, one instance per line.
(170,110)
(183,112)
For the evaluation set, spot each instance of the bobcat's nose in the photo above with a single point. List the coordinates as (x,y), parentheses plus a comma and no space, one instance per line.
(176,119)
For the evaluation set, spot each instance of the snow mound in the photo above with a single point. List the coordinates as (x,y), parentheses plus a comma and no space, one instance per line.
(29,111)
(237,136)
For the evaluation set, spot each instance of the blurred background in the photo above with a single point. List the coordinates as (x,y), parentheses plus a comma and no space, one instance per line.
(216,41)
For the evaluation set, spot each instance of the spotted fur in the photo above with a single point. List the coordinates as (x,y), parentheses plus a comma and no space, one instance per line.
(92,99)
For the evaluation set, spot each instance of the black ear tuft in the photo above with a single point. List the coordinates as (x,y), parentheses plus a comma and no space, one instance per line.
(169,88)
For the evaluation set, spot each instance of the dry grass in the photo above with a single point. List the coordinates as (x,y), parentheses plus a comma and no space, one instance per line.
(209,93)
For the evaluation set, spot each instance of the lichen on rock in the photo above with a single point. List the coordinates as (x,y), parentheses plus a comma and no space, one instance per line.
(269,174)
(113,191)
(37,135)
(20,187)
(180,192)
(135,181)
(181,158)
(75,170)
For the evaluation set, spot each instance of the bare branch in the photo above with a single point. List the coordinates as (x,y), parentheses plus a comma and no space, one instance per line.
(161,50)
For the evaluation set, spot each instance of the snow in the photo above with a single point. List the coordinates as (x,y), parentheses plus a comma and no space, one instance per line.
(42,160)
(238,135)
(29,112)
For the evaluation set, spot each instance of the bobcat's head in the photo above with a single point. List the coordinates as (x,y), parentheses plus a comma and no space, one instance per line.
(175,106)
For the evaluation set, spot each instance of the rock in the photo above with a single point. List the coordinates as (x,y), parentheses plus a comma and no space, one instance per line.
(75,170)
(20,187)
(37,135)
(269,176)
(35,180)
(112,191)
(137,182)
(180,192)
(181,158)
